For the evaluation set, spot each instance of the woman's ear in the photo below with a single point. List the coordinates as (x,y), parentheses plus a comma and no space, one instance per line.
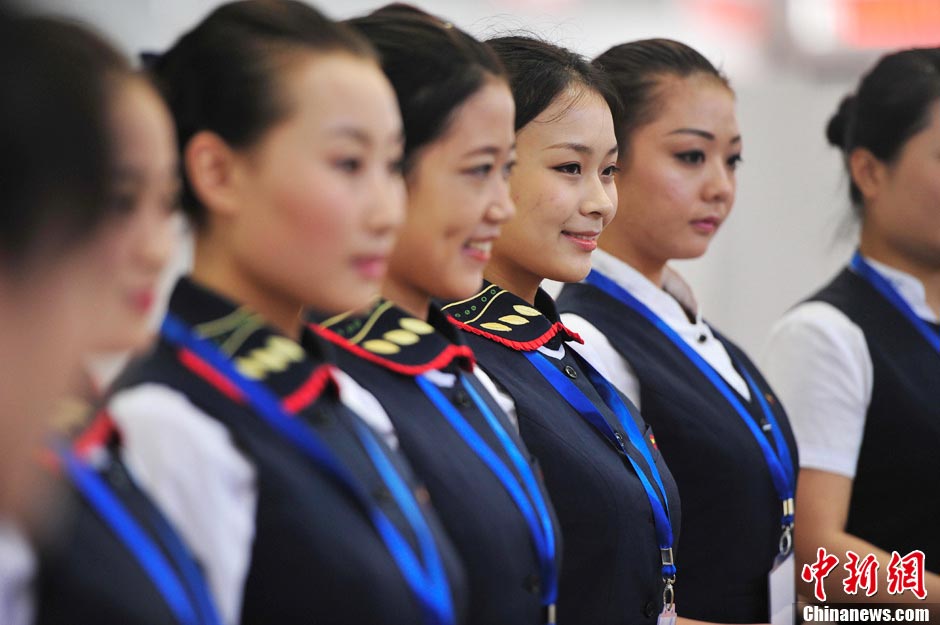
(868,172)
(210,167)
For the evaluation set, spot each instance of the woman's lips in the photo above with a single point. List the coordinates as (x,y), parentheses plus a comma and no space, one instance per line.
(706,226)
(372,267)
(587,241)
(478,249)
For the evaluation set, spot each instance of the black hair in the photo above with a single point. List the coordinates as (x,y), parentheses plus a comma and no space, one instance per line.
(891,105)
(636,69)
(223,76)
(539,71)
(433,66)
(55,164)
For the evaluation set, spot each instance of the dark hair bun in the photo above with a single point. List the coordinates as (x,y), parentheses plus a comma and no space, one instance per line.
(838,124)
(433,66)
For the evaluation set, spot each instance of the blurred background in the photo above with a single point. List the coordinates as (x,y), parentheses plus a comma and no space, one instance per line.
(790,62)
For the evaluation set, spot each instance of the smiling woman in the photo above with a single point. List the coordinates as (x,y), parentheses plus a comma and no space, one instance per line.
(458,113)
(680,146)
(617,565)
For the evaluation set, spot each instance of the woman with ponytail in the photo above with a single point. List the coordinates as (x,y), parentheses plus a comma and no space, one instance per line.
(721,431)
(290,143)
(857,363)
(459,148)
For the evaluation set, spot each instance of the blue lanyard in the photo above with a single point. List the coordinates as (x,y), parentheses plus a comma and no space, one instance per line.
(538,518)
(143,548)
(779,463)
(586,408)
(426,577)
(870,275)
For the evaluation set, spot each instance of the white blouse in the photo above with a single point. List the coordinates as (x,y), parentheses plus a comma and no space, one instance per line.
(670,303)
(817,361)
(188,464)
(17,569)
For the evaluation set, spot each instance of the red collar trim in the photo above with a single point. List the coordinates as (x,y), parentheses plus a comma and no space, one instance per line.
(448,355)
(520,346)
(310,391)
(301,398)
(96,435)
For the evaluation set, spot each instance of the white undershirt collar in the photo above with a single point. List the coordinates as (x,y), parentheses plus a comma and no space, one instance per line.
(908,287)
(668,302)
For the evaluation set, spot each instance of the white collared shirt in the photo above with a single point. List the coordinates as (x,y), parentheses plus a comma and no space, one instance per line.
(189,465)
(669,303)
(818,362)
(17,569)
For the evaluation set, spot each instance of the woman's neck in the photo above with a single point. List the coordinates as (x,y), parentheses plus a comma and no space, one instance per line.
(514,279)
(220,273)
(407,297)
(652,269)
(876,248)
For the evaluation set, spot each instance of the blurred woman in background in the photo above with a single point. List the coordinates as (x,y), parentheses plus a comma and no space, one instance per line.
(94,557)
(857,364)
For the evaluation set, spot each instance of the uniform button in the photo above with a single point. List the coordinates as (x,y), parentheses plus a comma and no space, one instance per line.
(619,437)
(570,372)
(702,338)
(461,399)
(533,583)
(649,610)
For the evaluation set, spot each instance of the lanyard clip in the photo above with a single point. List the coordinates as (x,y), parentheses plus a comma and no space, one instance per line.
(786,540)
(669,594)
(786,537)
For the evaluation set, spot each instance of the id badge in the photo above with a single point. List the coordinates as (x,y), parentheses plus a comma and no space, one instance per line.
(782,587)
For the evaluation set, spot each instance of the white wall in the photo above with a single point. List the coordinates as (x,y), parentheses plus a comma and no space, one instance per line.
(782,241)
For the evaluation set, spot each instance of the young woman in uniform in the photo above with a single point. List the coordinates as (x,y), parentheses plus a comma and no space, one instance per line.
(290,142)
(614,497)
(857,363)
(55,170)
(722,432)
(458,113)
(105,552)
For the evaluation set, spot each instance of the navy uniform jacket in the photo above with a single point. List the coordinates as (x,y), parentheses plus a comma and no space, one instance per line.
(316,558)
(895,500)
(384,350)
(85,573)
(731,512)
(613,570)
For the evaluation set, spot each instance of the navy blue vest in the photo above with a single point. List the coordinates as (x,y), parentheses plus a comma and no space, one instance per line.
(731,513)
(612,567)
(316,558)
(487,528)
(896,491)
(85,573)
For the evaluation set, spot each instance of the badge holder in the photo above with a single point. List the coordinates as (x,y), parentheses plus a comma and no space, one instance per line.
(668,615)
(781,582)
